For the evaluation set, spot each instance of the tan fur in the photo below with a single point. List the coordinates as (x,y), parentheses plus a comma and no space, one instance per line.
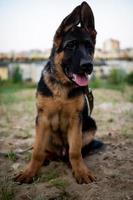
(80,170)
(59,72)
(57,41)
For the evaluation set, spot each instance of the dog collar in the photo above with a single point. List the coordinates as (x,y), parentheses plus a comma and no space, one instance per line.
(89,100)
(88,105)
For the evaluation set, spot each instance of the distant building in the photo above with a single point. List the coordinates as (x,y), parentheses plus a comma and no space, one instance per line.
(111,45)
(3,71)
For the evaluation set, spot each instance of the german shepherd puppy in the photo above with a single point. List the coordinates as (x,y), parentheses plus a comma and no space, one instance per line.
(62,123)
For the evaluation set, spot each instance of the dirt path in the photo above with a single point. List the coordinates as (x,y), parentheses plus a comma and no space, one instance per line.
(113,166)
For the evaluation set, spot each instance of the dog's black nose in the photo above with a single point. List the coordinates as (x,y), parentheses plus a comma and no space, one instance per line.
(86,66)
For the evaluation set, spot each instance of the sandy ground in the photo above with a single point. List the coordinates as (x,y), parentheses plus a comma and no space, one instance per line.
(112,166)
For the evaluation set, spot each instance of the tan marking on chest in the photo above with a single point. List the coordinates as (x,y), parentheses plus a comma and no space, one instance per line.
(55,122)
(60,111)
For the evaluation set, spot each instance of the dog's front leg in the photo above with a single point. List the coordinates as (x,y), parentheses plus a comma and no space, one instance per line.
(80,170)
(39,154)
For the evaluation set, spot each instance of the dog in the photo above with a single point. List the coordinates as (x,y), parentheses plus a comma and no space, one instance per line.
(64,102)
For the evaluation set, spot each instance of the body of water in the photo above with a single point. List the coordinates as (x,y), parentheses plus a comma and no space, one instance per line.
(32,71)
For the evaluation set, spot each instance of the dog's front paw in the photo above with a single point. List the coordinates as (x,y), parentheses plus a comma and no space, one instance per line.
(24,177)
(83,175)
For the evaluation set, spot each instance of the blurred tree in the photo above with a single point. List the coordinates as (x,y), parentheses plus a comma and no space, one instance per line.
(129,78)
(117,76)
(17,74)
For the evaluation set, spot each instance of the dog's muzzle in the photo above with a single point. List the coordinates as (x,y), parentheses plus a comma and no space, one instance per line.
(86,66)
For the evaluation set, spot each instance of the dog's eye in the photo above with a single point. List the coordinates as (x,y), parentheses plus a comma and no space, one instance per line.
(89,46)
(71,45)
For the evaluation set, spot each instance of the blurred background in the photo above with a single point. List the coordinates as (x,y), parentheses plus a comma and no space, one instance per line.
(28,27)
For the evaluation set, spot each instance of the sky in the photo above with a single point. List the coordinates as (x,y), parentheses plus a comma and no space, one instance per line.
(31,24)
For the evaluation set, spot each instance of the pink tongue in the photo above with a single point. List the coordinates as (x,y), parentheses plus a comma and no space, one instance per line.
(81,80)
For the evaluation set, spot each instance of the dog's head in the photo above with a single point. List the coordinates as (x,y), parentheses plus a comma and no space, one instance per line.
(74,44)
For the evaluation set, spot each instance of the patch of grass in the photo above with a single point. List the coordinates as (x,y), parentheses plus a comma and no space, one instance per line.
(12,156)
(6,189)
(59,183)
(120,87)
(103,83)
(28,156)
(110,120)
(116,80)
(128,93)
(9,95)
(48,176)
(4,133)
(8,99)
(129,114)
(95,83)
(24,135)
(7,87)
(63,196)
(39,197)
(130,98)
(126,131)
(126,134)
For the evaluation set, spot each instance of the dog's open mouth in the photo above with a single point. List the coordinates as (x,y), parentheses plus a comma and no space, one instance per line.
(80,79)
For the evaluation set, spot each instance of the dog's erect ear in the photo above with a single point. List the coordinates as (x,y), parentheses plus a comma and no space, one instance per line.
(71,20)
(87,19)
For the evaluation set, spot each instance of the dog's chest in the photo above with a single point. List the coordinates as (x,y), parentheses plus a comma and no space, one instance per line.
(60,110)
(59,122)
(63,113)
